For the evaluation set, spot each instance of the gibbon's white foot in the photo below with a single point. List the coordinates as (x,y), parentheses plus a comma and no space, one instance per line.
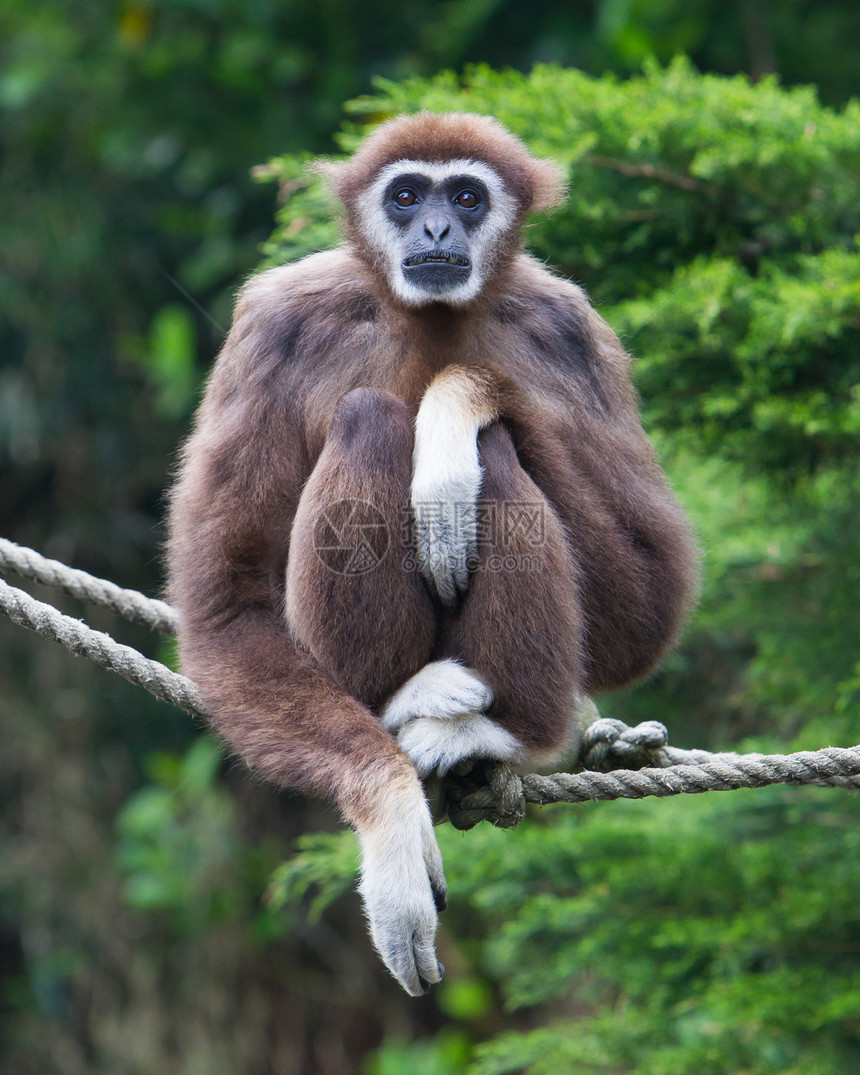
(439,717)
(437,744)
(442,689)
(403,887)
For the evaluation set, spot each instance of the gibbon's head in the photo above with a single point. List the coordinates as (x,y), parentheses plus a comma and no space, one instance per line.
(435,202)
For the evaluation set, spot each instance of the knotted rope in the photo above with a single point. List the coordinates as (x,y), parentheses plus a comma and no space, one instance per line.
(489,798)
(488,792)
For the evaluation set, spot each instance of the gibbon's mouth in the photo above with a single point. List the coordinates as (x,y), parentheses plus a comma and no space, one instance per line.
(437,257)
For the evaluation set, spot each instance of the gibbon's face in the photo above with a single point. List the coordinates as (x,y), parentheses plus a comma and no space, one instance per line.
(437,227)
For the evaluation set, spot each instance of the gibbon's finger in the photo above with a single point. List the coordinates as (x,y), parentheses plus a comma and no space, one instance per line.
(435,870)
(449,547)
(411,956)
(404,935)
(443,689)
(443,581)
(430,970)
(462,565)
(446,484)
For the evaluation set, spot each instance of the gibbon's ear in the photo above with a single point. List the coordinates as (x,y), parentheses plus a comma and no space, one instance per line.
(549,185)
(334,173)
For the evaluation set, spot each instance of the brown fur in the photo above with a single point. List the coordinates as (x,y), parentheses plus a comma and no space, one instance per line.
(478,392)
(536,184)
(311,404)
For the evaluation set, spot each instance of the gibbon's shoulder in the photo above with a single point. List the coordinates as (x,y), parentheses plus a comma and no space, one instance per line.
(552,311)
(330,284)
(532,281)
(558,319)
(285,316)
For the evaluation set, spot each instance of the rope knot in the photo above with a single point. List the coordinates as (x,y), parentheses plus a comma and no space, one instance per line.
(487,792)
(611,744)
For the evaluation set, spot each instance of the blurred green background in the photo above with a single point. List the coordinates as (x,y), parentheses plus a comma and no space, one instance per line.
(152,156)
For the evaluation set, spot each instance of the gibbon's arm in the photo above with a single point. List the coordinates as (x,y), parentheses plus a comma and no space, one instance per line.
(230,517)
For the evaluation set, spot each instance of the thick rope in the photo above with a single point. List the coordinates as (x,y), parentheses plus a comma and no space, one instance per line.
(489,792)
(129,604)
(608,744)
(100,648)
(830,767)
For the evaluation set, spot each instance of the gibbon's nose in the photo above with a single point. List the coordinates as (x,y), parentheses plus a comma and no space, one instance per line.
(436,227)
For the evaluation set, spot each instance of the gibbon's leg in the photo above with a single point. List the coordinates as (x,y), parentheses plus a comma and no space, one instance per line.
(519,633)
(350,601)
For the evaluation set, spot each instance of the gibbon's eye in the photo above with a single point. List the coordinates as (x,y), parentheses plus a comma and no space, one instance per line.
(467,199)
(404,198)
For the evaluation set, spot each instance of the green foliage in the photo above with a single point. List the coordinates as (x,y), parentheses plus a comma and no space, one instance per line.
(465,998)
(715,222)
(178,844)
(686,925)
(168,359)
(446,1054)
(323,864)
(127,133)
(763,366)
(306,216)
(711,219)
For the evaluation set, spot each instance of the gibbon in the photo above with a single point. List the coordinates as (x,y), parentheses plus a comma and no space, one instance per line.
(418,516)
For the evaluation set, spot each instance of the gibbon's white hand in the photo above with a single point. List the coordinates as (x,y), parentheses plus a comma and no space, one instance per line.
(446,483)
(403,887)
